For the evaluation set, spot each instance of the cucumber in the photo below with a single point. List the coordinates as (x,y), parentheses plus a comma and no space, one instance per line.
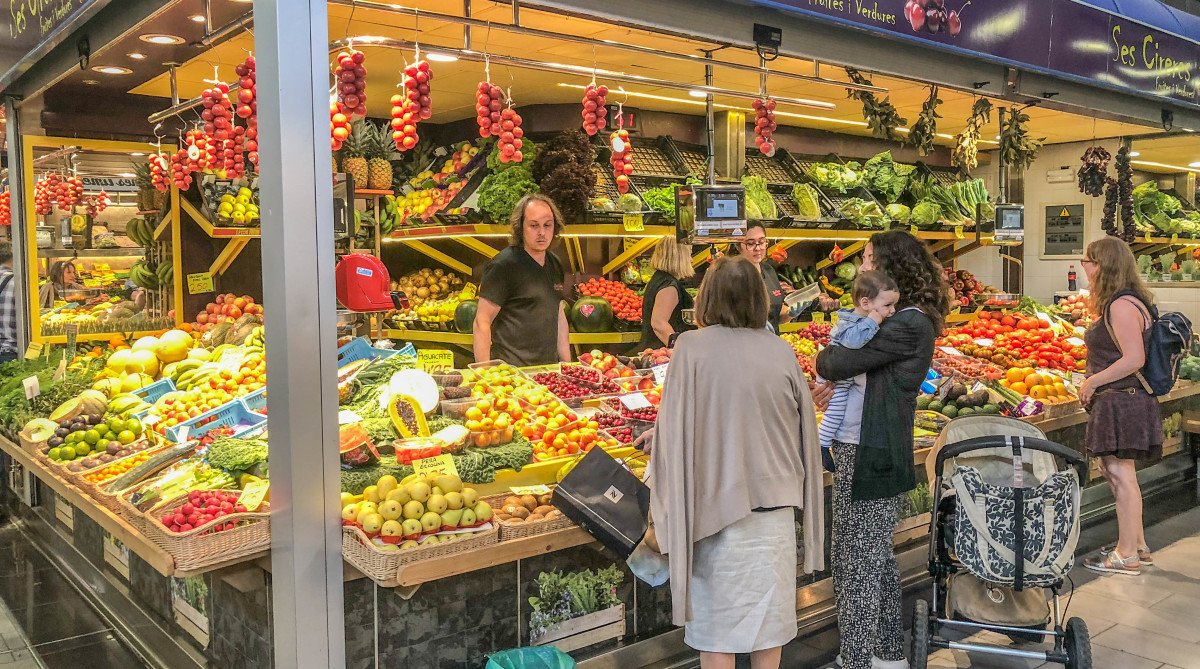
(151,466)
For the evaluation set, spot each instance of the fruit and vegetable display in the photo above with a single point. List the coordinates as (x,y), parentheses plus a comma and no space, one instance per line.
(403,514)
(759,203)
(964,286)
(1074,309)
(1017,340)
(624,304)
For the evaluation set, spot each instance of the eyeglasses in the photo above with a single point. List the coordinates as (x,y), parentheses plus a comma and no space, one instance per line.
(755,243)
(1087,261)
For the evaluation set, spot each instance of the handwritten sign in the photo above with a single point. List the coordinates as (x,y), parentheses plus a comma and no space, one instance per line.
(231,360)
(439,465)
(34,351)
(253,494)
(435,359)
(1075,341)
(201,282)
(949,350)
(818,317)
(33,387)
(633,222)
(530,490)
(660,373)
(635,401)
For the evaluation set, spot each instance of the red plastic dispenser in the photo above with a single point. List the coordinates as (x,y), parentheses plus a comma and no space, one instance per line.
(363,284)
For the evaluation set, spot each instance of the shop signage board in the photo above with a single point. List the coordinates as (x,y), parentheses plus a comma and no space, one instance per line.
(109,185)
(30,29)
(435,359)
(1062,37)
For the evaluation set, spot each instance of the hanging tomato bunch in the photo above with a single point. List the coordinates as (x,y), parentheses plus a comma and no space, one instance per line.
(413,106)
(489,102)
(339,124)
(764,125)
(509,140)
(622,158)
(67,191)
(181,174)
(594,99)
(351,82)
(159,165)
(5,214)
(94,204)
(42,190)
(248,108)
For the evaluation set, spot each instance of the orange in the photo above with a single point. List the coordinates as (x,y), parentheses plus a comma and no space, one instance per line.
(1014,374)
(1037,392)
(1034,379)
(1060,389)
(1019,387)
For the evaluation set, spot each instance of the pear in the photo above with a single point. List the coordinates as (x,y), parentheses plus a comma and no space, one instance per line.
(386,484)
(347,498)
(350,512)
(391,528)
(483,512)
(365,508)
(437,491)
(419,491)
(437,503)
(372,523)
(468,518)
(398,495)
(431,521)
(413,509)
(409,545)
(449,483)
(454,500)
(429,540)
(470,496)
(451,518)
(391,510)
(412,527)
(371,494)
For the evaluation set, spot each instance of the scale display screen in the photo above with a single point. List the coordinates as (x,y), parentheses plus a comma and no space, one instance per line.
(1010,217)
(710,213)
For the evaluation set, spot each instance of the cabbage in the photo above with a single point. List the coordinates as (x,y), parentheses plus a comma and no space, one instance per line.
(846,271)
(898,213)
(753,213)
(629,203)
(807,202)
(887,178)
(925,214)
(756,191)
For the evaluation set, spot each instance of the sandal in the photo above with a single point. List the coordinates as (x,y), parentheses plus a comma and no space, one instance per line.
(1112,563)
(1144,556)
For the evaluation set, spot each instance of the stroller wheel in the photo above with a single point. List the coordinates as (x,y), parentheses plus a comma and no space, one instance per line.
(1078,645)
(919,657)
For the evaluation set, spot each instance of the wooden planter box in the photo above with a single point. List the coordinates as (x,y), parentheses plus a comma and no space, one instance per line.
(585,630)
(913,522)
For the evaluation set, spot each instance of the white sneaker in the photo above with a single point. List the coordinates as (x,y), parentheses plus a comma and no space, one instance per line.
(877,663)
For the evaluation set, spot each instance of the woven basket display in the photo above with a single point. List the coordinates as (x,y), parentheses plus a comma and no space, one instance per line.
(510,530)
(1060,409)
(203,546)
(31,446)
(382,566)
(94,489)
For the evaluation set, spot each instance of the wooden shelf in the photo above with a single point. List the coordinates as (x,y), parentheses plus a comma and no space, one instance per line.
(579,338)
(135,252)
(606,230)
(367,192)
(135,541)
(502,553)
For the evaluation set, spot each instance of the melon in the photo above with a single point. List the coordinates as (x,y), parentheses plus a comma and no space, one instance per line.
(131,382)
(173,346)
(147,343)
(464,316)
(592,314)
(199,353)
(142,361)
(111,387)
(118,361)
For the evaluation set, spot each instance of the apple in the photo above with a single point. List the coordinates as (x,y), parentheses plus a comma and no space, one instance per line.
(391,510)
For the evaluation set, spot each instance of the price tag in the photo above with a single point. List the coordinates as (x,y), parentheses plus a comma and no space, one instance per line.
(530,490)
(1075,341)
(201,282)
(61,372)
(635,401)
(984,341)
(949,350)
(438,465)
(231,360)
(660,373)
(633,222)
(33,387)
(818,317)
(34,351)
(150,419)
(253,494)
(958,232)
(912,229)
(833,317)
(435,359)
(1077,378)
(1175,239)
(1186,277)
(72,330)
(346,416)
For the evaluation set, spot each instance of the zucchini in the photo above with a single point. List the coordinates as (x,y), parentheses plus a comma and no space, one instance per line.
(149,467)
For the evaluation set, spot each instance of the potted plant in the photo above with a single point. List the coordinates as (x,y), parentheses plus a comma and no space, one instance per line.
(577,609)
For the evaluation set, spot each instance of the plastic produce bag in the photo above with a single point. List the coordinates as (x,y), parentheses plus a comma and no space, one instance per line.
(537,657)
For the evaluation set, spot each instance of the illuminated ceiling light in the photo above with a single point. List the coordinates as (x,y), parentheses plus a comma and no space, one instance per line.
(1134,154)
(441,57)
(697,94)
(198,18)
(126,175)
(111,69)
(137,154)
(1195,164)
(136,56)
(160,38)
(1176,168)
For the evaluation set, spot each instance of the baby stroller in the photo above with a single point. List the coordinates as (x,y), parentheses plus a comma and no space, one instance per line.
(1002,497)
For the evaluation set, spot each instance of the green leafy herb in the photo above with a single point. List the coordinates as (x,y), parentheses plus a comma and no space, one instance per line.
(500,192)
(922,133)
(881,115)
(1016,145)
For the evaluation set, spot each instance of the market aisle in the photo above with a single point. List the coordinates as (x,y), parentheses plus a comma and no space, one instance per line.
(44,622)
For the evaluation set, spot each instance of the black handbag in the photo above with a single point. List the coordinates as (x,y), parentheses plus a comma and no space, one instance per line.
(607,500)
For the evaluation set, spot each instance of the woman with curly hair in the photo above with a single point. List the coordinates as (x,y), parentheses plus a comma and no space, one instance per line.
(873,456)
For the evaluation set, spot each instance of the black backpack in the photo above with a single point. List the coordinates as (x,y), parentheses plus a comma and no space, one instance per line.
(1170,339)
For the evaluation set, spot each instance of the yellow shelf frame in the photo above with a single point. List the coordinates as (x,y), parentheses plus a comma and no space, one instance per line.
(461,339)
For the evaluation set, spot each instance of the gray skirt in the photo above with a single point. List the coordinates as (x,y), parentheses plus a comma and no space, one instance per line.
(743,586)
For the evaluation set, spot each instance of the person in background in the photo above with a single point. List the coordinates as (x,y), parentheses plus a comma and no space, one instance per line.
(735,454)
(874,462)
(63,277)
(754,249)
(8,305)
(665,297)
(1124,421)
(521,319)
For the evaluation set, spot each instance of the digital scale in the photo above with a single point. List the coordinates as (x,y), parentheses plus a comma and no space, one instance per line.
(710,214)
(1008,229)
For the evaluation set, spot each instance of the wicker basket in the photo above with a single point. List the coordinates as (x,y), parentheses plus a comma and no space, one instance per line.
(1060,409)
(31,446)
(133,515)
(202,546)
(382,566)
(510,530)
(93,489)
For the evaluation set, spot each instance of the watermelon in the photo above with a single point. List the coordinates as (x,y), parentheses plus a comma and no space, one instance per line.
(592,314)
(464,316)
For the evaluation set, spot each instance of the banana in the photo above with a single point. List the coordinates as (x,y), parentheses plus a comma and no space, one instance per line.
(164,273)
(78,224)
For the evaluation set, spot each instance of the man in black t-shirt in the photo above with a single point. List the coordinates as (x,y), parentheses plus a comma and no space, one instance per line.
(521,318)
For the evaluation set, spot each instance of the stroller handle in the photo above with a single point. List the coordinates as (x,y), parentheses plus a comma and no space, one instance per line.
(1000,441)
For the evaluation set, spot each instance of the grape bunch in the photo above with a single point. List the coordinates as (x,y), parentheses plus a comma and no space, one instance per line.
(932,16)
(489,102)
(339,125)
(509,140)
(1125,193)
(764,125)
(248,107)
(351,78)
(1094,171)
(594,98)
(41,195)
(622,159)
(159,164)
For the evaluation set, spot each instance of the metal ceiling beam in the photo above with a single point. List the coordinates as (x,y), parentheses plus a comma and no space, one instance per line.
(697,59)
(229,29)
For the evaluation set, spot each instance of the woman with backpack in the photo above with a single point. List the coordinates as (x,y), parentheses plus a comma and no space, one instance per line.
(1124,422)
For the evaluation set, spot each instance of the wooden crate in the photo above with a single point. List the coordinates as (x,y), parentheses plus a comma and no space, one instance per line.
(585,630)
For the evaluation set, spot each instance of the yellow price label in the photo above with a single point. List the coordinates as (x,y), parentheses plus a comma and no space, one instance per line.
(201,282)
(633,222)
(253,494)
(439,465)
(818,317)
(1174,239)
(912,229)
(34,350)
(435,359)
(958,232)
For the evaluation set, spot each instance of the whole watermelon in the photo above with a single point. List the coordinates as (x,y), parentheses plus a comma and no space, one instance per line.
(591,314)
(464,316)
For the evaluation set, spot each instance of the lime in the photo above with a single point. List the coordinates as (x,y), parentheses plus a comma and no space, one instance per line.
(102,444)
(82,451)
(91,436)
(54,453)
(116,425)
(126,437)
(134,425)
(66,453)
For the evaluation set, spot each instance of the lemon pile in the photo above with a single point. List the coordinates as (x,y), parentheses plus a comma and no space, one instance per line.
(240,208)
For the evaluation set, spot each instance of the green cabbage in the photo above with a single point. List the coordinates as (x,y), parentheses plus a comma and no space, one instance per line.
(756,192)
(925,214)
(898,213)
(807,202)
(629,203)
(846,271)
(835,176)
(863,213)
(886,177)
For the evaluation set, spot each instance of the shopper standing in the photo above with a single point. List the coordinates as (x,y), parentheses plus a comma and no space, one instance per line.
(665,297)
(1124,421)
(875,463)
(735,454)
(754,248)
(521,318)
(8,305)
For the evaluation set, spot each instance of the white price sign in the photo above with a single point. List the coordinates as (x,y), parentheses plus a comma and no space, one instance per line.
(33,387)
(635,401)
(660,373)
(949,350)
(1075,341)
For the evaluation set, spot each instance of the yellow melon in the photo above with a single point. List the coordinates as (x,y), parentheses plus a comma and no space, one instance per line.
(131,382)
(147,343)
(142,361)
(173,346)
(118,361)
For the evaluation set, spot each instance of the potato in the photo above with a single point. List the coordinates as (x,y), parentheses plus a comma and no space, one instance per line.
(517,512)
(512,500)
(529,502)
(544,500)
(543,509)
(554,513)
(534,517)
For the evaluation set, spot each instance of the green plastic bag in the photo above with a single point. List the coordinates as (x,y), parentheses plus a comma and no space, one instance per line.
(534,657)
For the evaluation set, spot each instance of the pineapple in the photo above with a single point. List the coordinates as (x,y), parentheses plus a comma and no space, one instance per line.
(354,152)
(380,153)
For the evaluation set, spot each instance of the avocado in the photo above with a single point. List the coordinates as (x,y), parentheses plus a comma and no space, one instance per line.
(956,391)
(990,409)
(935,405)
(923,401)
(950,411)
(966,411)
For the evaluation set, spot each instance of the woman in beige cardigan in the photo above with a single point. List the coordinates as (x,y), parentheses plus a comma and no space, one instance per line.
(735,454)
